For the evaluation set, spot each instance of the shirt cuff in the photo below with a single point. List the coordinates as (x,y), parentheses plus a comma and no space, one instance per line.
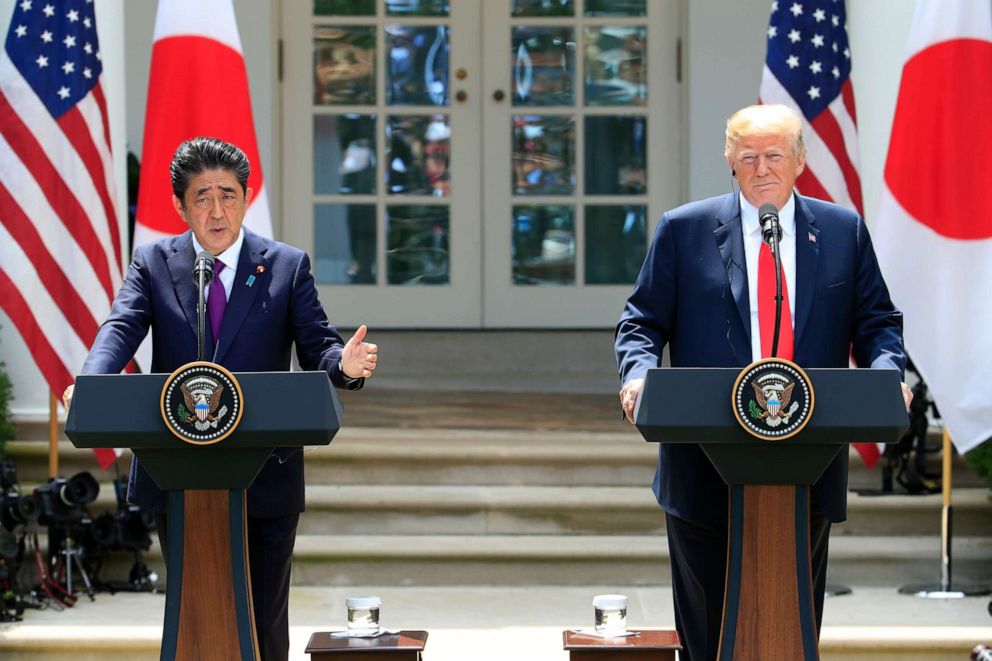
(347,379)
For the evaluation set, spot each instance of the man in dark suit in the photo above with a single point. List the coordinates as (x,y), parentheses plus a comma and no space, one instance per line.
(704,292)
(261,302)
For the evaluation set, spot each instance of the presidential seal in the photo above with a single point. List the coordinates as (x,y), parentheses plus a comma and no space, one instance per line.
(202,403)
(772,399)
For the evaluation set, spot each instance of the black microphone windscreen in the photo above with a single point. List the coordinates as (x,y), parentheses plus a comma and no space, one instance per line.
(204,262)
(768,219)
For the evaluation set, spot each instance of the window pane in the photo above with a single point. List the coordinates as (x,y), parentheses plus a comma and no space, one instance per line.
(344,244)
(344,7)
(417,7)
(344,154)
(417,73)
(543,61)
(543,8)
(543,155)
(616,243)
(417,156)
(543,245)
(616,159)
(417,244)
(616,68)
(615,7)
(344,65)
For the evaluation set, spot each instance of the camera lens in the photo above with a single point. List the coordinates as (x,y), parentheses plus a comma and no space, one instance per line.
(80,489)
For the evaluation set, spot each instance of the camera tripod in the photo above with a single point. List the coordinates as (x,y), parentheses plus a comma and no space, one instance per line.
(67,558)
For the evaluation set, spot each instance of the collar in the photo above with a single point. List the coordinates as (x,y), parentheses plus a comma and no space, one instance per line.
(230,256)
(786,217)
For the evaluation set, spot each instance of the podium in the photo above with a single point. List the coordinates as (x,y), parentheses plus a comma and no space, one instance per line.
(208,607)
(768,605)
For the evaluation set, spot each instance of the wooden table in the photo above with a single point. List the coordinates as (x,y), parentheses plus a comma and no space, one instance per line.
(648,646)
(402,646)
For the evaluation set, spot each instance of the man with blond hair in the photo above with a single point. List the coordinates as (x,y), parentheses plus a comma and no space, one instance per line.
(705,291)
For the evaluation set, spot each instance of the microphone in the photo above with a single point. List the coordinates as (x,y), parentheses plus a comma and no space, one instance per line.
(768,217)
(203,273)
(204,265)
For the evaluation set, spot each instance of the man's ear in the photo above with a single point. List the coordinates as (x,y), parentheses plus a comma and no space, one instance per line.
(178,205)
(248,192)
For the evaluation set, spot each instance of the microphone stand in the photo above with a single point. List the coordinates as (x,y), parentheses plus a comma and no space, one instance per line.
(201,315)
(776,234)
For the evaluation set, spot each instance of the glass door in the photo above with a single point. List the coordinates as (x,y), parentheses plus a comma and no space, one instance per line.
(581,121)
(478,163)
(381,160)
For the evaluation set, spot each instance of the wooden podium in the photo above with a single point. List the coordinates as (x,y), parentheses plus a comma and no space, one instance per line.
(208,609)
(768,607)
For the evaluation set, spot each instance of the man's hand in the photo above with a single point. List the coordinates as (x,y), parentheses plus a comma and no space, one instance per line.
(67,396)
(907,396)
(628,397)
(358,358)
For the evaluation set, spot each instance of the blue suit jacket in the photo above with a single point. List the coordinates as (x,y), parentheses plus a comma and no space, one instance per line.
(692,295)
(261,323)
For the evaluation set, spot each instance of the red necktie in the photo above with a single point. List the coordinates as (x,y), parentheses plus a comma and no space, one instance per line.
(766,307)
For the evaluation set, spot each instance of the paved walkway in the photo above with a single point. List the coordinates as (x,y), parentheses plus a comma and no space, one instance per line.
(520,623)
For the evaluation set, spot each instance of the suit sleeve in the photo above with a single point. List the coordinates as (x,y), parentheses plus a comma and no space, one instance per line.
(877,333)
(645,325)
(318,343)
(127,324)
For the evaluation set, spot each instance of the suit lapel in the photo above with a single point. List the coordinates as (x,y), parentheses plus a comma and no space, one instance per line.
(730,242)
(807,264)
(243,295)
(181,269)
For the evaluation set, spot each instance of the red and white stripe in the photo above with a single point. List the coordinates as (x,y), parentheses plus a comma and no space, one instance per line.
(60,245)
(831,142)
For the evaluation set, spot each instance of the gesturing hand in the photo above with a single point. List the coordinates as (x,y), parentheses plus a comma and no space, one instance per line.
(358,358)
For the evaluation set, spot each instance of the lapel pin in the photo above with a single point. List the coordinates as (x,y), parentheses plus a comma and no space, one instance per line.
(250,281)
(259,269)
(812,238)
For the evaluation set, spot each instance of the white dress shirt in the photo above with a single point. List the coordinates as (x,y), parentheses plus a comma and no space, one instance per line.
(230,258)
(752,247)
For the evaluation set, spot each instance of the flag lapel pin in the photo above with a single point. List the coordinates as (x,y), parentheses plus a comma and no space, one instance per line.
(812,238)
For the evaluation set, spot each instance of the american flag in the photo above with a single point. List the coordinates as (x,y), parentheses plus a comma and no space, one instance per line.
(60,248)
(808,68)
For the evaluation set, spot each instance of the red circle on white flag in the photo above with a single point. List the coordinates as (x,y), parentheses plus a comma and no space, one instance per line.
(197,86)
(940,154)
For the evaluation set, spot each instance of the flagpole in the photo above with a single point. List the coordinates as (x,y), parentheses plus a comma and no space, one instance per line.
(946,588)
(53,435)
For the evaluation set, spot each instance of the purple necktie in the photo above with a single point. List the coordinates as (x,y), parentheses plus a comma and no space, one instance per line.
(216,301)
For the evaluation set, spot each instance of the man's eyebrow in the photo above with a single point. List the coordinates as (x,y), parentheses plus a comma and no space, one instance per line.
(224,188)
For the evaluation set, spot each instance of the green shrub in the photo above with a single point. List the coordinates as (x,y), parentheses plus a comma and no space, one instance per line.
(980,460)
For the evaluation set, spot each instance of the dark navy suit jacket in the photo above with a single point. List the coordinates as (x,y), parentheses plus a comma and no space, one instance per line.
(261,323)
(692,295)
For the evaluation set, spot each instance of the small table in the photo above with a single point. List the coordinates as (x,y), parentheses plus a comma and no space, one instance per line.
(648,646)
(402,646)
